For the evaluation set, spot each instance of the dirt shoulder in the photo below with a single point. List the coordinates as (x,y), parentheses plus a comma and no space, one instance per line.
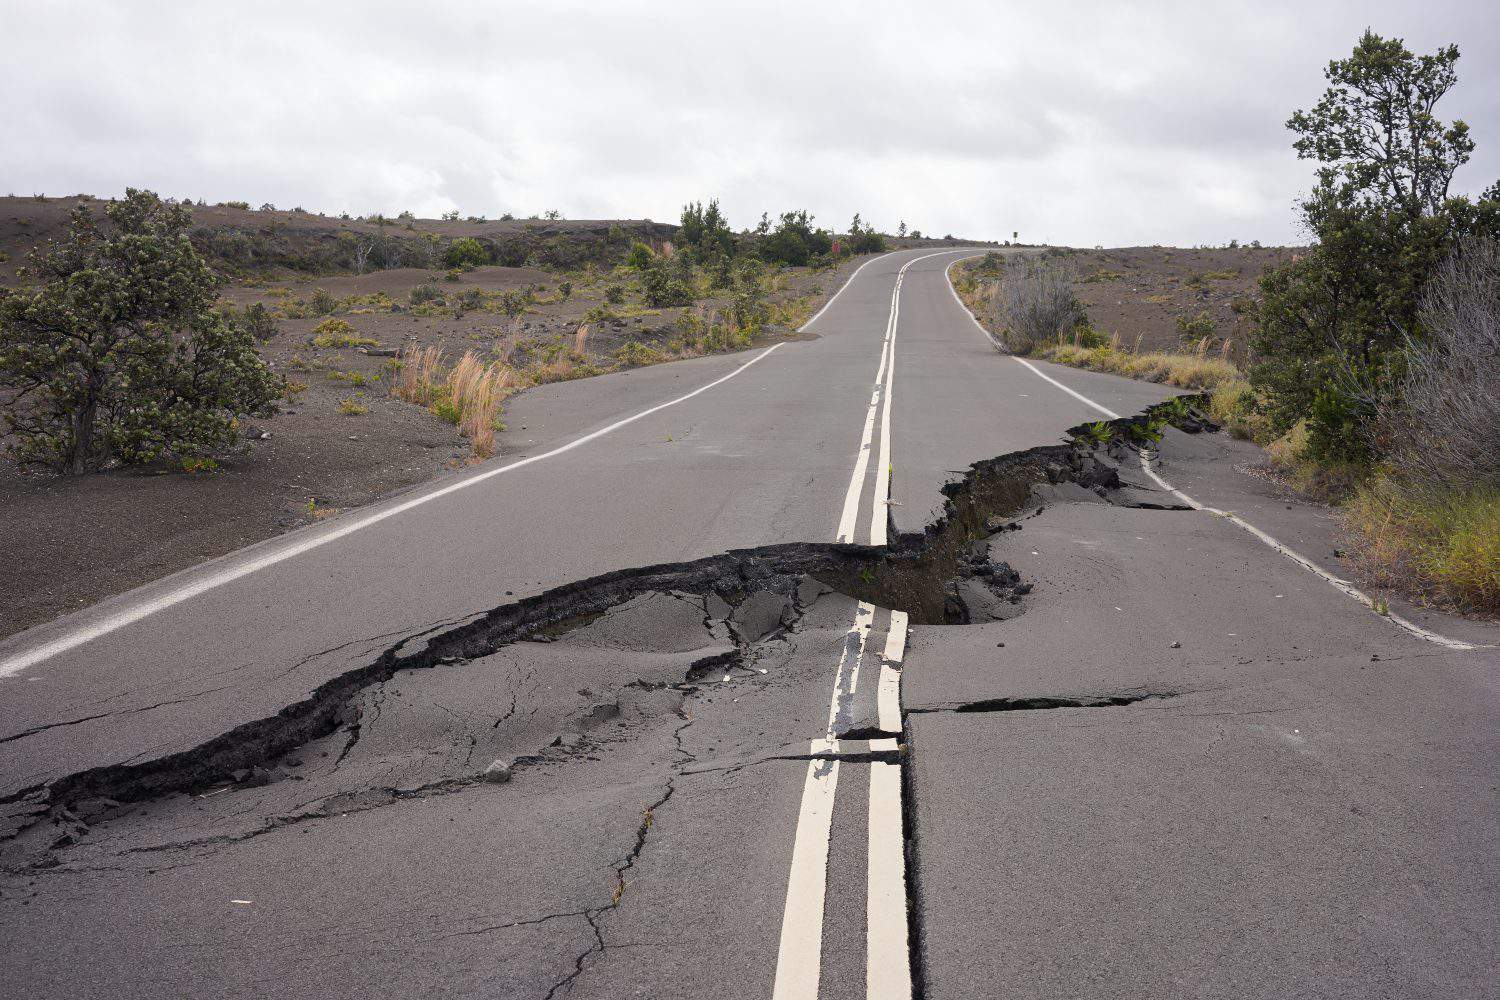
(340,441)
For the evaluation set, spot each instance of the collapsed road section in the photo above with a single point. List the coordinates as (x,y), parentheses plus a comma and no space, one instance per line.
(552,793)
(941,576)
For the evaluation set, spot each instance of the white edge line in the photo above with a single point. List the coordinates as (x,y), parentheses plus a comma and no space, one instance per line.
(1077,395)
(78,637)
(1308,564)
(1296,557)
(948,276)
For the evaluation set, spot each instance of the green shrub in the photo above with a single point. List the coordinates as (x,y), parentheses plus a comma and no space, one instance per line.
(256,322)
(515,301)
(863,238)
(704,233)
(667,282)
(466,252)
(614,294)
(639,257)
(426,293)
(633,354)
(794,241)
(322,302)
(1084,335)
(1193,329)
(334,332)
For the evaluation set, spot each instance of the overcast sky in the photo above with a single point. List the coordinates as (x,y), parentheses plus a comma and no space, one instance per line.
(1080,123)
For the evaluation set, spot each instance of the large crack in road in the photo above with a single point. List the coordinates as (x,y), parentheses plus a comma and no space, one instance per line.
(496,686)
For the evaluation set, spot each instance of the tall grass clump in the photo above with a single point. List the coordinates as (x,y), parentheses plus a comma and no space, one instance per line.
(417,374)
(468,395)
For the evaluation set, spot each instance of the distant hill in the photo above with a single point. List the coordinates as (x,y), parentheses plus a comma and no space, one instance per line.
(248,242)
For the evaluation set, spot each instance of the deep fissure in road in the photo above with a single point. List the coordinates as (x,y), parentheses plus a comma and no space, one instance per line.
(941,576)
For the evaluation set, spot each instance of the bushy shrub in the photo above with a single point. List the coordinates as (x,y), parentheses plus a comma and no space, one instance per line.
(1193,329)
(426,293)
(667,282)
(514,301)
(704,233)
(120,353)
(633,354)
(747,308)
(614,294)
(322,302)
(1443,426)
(639,257)
(794,241)
(1038,306)
(256,321)
(1085,336)
(863,238)
(466,252)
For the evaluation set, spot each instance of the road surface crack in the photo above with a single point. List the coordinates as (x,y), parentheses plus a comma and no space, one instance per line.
(941,576)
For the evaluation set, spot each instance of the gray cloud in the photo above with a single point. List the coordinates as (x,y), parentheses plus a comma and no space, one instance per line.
(1081,122)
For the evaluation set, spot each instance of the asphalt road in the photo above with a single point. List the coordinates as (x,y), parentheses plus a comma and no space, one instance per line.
(1183,764)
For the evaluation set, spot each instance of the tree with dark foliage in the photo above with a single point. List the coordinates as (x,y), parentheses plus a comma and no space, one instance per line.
(119,352)
(1332,324)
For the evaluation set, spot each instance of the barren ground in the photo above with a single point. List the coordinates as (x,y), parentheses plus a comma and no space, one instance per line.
(1140,292)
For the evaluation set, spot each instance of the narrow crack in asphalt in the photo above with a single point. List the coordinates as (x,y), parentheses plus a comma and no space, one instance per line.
(1043,703)
(592,915)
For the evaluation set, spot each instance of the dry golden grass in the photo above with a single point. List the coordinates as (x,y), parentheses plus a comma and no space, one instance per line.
(469,394)
(1188,371)
(416,376)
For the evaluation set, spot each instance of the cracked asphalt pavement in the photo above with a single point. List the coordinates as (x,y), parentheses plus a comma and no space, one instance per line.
(841,674)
